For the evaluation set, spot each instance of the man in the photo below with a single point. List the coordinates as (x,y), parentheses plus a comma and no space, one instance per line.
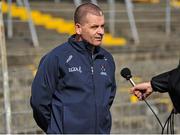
(74,87)
(165,82)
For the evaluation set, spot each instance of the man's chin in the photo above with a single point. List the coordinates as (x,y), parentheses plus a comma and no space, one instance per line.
(97,43)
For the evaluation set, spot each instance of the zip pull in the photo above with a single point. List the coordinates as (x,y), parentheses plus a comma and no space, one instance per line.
(92,70)
(92,56)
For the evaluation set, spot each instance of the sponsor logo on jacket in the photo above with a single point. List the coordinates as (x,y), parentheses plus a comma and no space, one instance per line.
(75,69)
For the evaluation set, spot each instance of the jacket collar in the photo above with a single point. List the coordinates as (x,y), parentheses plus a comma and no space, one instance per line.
(84,46)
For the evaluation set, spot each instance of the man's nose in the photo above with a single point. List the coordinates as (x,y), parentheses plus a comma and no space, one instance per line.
(100,30)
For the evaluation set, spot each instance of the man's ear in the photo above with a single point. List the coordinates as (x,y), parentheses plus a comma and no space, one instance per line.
(78,28)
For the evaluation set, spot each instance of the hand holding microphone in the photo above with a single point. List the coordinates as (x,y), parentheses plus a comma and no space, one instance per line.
(142,90)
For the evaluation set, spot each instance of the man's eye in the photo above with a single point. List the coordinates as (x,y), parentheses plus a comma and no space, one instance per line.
(94,27)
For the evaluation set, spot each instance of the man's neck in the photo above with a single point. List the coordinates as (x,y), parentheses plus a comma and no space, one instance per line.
(78,39)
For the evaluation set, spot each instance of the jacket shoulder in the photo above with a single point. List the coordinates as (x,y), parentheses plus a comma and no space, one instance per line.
(56,54)
(61,49)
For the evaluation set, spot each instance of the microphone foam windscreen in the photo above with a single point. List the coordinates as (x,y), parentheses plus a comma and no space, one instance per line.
(126,73)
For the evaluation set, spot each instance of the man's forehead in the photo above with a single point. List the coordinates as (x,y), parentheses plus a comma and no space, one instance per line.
(91,17)
(95,14)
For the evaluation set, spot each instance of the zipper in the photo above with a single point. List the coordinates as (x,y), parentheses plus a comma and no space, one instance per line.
(95,103)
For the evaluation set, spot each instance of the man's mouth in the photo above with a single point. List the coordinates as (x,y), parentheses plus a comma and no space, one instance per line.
(98,38)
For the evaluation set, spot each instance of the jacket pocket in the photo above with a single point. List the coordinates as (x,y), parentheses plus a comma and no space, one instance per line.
(106,121)
(55,125)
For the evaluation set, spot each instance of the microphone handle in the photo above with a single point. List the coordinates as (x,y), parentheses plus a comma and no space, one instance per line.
(132,82)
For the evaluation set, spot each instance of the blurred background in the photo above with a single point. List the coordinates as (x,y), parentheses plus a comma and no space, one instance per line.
(141,34)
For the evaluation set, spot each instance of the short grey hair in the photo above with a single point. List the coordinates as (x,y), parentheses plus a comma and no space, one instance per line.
(82,11)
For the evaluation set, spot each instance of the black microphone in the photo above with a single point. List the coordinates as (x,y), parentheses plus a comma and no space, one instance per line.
(126,73)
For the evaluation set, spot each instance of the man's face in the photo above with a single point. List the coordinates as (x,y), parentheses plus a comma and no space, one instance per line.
(91,29)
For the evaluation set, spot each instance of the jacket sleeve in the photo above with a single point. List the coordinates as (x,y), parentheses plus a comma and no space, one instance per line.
(169,82)
(113,88)
(160,82)
(43,87)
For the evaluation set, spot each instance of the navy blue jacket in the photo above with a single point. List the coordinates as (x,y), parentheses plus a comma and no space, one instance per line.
(73,89)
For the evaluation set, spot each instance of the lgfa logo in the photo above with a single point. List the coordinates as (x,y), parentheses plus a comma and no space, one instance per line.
(75,69)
